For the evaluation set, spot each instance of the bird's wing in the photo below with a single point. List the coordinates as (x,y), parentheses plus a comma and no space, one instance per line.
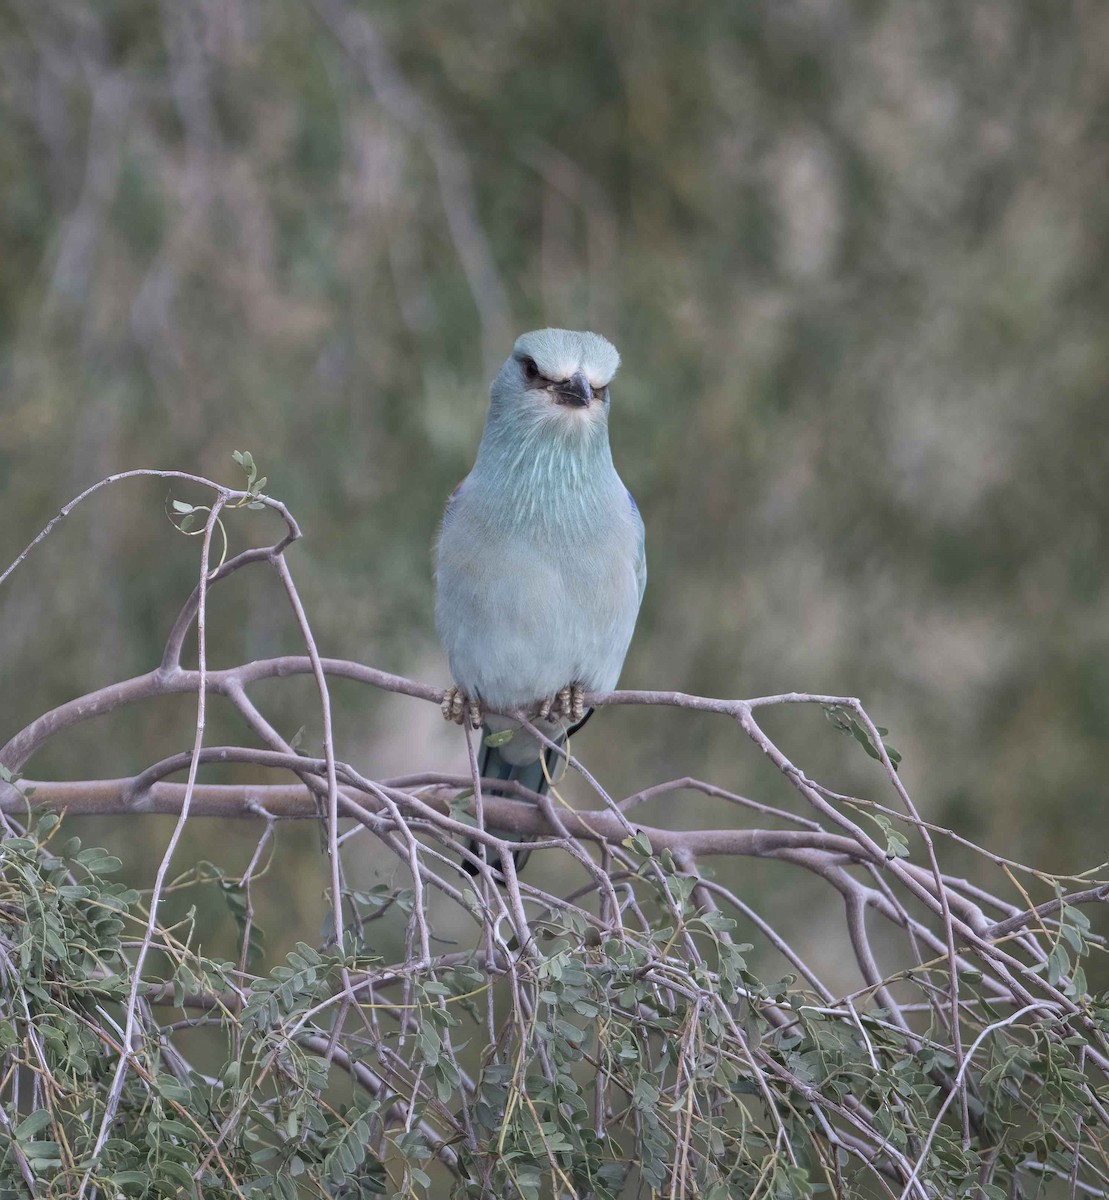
(449,511)
(641,551)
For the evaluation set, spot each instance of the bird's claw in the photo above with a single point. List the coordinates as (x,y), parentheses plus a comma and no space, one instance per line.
(567,705)
(457,707)
(453,705)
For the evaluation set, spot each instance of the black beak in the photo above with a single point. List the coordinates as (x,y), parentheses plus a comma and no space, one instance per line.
(575,391)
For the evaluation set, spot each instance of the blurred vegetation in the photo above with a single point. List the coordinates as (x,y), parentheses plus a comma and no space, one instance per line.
(853,255)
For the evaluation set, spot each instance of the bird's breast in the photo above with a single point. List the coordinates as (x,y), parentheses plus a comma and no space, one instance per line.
(527,606)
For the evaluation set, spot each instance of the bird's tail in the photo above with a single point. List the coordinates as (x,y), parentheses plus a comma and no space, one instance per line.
(492,764)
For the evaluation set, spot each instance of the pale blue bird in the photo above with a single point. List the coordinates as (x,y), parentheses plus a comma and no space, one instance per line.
(540,564)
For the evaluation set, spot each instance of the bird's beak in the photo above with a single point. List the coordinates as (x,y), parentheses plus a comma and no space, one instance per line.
(575,391)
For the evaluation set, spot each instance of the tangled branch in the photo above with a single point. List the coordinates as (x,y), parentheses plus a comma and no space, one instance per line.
(615,1033)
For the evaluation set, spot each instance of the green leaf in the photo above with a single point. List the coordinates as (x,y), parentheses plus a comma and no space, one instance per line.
(246,460)
(178,1174)
(171,1089)
(1058,963)
(897,845)
(847,724)
(639,843)
(97,861)
(35,1123)
(181,507)
(500,738)
(41,1154)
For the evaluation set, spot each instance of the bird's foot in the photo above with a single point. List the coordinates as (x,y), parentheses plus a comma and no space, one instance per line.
(458,707)
(567,705)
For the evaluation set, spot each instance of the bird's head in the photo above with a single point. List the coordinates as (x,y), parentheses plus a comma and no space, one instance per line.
(558,379)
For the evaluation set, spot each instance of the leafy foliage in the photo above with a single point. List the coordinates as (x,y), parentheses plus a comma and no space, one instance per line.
(641,1054)
(605,1037)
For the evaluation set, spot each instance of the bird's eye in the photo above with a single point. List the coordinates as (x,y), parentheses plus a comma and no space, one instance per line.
(531,371)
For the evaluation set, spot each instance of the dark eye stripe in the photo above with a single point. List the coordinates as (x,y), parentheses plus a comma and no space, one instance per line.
(532,374)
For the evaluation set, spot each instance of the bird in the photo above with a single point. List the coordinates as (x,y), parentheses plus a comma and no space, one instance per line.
(540,561)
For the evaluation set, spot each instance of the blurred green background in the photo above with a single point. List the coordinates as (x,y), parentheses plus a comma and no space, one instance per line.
(853,255)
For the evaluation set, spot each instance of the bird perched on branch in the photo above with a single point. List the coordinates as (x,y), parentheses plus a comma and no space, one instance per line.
(540,564)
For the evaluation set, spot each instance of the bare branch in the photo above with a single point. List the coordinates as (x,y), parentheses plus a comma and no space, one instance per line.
(638,914)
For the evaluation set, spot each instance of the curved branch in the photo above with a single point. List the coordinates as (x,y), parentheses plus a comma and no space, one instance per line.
(106,797)
(19,749)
